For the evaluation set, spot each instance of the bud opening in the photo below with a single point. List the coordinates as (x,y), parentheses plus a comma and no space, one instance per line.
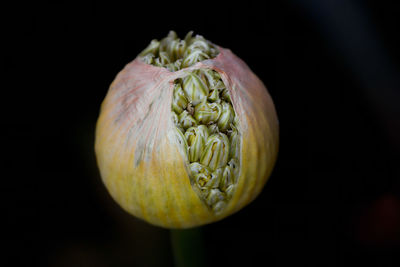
(203,114)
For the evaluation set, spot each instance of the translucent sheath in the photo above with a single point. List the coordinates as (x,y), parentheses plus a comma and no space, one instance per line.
(143,160)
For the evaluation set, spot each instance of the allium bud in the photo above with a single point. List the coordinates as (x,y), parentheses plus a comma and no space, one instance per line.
(187,134)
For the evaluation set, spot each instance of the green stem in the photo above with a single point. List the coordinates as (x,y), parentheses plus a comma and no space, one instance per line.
(187,247)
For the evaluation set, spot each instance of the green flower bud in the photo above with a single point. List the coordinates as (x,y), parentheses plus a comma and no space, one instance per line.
(202,179)
(176,49)
(218,85)
(216,152)
(186,120)
(181,140)
(219,206)
(175,119)
(196,138)
(149,58)
(198,43)
(194,57)
(214,196)
(226,118)
(213,128)
(179,100)
(164,58)
(215,178)
(188,38)
(196,168)
(151,48)
(157,62)
(202,175)
(194,88)
(178,64)
(229,191)
(164,43)
(233,164)
(171,67)
(227,178)
(213,79)
(234,140)
(225,95)
(206,112)
(213,96)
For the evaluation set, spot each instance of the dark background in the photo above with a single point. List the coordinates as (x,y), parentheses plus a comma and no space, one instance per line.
(332,68)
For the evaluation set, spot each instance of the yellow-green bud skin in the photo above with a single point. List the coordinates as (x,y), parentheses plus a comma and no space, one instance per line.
(187,134)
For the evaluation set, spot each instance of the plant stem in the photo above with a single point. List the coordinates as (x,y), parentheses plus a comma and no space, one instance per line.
(187,247)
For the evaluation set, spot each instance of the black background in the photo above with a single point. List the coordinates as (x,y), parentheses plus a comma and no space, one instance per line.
(332,68)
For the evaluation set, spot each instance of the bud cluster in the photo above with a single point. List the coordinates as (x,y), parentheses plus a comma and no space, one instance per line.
(175,54)
(204,117)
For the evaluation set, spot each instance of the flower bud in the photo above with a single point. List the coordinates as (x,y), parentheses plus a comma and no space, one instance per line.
(225,95)
(219,206)
(149,58)
(187,134)
(179,101)
(196,138)
(196,168)
(206,112)
(176,48)
(215,179)
(226,117)
(186,120)
(229,191)
(216,151)
(234,140)
(167,41)
(234,166)
(164,58)
(202,179)
(194,88)
(151,49)
(175,119)
(181,140)
(227,178)
(213,128)
(214,196)
(194,57)
(213,96)
(214,80)
(198,44)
